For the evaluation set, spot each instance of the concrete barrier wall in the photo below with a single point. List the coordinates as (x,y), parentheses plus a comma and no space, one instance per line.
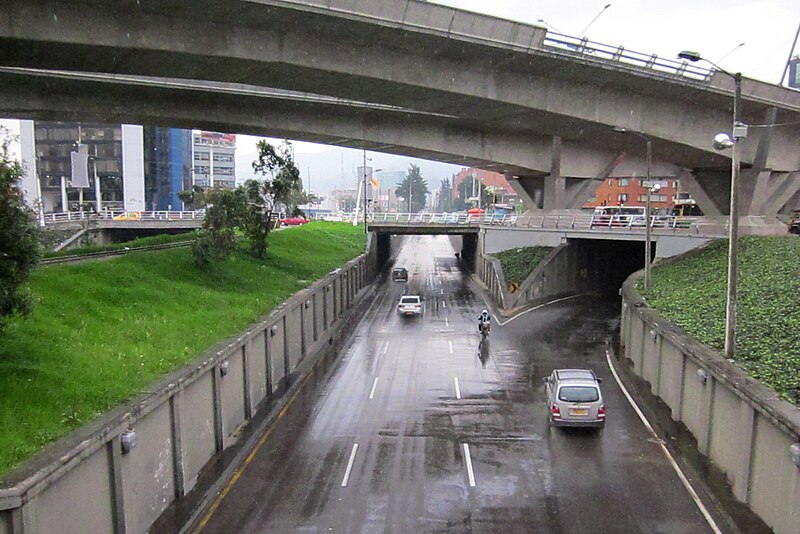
(87,483)
(739,425)
(559,274)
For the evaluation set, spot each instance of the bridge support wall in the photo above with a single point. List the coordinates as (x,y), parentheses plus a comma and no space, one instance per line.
(188,421)
(740,429)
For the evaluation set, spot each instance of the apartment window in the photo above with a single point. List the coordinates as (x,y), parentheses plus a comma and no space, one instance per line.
(623,182)
(622,197)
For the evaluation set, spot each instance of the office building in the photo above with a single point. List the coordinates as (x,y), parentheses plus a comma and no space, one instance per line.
(168,166)
(214,160)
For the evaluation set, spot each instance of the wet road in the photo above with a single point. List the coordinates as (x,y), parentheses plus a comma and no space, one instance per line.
(419,429)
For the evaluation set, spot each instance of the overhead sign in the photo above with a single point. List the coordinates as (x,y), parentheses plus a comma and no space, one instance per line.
(794,73)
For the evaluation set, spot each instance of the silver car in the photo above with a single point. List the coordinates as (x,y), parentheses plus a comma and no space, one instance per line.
(574,398)
(410,305)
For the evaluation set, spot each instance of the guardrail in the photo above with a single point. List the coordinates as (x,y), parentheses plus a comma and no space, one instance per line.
(583,46)
(581,221)
(110,215)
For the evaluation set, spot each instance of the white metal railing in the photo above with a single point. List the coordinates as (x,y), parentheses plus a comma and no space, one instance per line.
(583,46)
(582,221)
(120,215)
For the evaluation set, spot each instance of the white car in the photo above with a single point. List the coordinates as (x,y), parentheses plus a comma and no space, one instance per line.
(410,305)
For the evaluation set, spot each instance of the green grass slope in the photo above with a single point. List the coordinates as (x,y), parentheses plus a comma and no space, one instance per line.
(519,263)
(102,331)
(692,292)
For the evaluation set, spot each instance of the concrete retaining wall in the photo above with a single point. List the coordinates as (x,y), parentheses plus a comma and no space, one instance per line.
(85,483)
(739,425)
(561,273)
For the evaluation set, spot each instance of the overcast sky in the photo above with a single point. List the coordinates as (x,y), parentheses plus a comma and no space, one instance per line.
(713,28)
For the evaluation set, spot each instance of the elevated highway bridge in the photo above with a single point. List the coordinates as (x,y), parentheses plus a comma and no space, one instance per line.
(461,87)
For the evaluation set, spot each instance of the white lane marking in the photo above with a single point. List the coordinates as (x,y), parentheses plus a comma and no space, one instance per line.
(450,344)
(386,348)
(468,461)
(458,389)
(444,304)
(372,391)
(684,480)
(503,323)
(446,321)
(349,465)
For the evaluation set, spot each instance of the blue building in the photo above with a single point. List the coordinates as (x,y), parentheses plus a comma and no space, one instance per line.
(168,166)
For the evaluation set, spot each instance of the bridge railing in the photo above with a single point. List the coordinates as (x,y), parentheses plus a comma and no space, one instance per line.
(582,221)
(583,46)
(110,215)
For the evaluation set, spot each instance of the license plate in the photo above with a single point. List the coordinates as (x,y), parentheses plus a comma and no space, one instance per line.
(579,411)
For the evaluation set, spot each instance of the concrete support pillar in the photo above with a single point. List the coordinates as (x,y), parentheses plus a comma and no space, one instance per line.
(175,410)
(711,192)
(741,478)
(527,200)
(555,184)
(248,401)
(216,386)
(64,200)
(114,448)
(704,437)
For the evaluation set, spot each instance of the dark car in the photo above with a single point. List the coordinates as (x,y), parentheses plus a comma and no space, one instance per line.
(400,274)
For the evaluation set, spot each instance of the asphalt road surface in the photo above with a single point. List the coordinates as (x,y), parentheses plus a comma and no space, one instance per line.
(420,429)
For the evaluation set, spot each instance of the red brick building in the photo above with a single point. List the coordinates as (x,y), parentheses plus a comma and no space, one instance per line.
(630,192)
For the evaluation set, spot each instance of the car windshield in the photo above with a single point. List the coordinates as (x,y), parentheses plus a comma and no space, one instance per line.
(578,394)
(409,300)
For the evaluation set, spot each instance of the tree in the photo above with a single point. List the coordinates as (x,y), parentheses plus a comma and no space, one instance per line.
(413,190)
(218,237)
(467,190)
(281,186)
(21,249)
(445,201)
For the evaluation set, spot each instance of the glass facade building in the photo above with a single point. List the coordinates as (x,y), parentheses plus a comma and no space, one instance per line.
(168,166)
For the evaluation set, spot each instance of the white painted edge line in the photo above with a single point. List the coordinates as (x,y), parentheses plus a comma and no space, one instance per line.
(458,388)
(450,344)
(468,461)
(681,476)
(444,304)
(349,465)
(503,323)
(372,391)
(386,348)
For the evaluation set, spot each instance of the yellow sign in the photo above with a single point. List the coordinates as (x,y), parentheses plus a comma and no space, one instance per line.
(513,287)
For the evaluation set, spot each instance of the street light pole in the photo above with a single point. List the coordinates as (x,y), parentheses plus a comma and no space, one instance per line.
(733,231)
(647,256)
(722,141)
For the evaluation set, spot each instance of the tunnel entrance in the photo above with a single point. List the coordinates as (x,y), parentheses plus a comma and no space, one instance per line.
(607,263)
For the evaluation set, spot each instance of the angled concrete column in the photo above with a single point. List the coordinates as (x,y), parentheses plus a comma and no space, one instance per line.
(711,190)
(782,194)
(554,184)
(522,193)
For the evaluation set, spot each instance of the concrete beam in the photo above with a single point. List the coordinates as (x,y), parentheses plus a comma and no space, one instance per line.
(498,78)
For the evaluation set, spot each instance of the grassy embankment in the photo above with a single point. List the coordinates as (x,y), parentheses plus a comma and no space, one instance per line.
(692,293)
(101,332)
(519,263)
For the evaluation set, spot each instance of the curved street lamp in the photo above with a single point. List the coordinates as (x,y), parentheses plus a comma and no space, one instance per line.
(723,141)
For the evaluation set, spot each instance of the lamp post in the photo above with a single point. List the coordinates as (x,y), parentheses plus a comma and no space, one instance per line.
(723,141)
(647,216)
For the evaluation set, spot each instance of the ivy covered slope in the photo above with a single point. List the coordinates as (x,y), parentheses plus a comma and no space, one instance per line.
(692,293)
(100,332)
(519,263)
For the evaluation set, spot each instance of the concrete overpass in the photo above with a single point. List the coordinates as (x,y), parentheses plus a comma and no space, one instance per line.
(499,79)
